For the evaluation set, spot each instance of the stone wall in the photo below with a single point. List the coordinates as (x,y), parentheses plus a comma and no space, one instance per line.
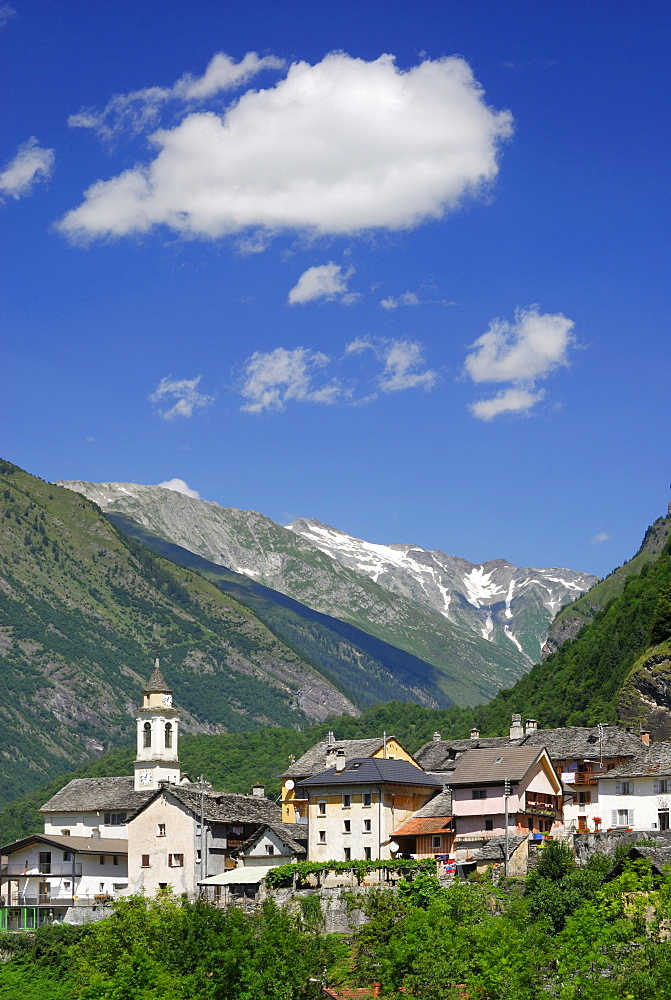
(587,844)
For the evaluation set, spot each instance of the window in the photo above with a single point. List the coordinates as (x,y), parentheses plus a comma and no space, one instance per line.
(270,848)
(322,836)
(321,809)
(346,801)
(347,826)
(479,793)
(437,841)
(115,859)
(101,860)
(160,830)
(115,819)
(661,786)
(67,855)
(584,798)
(624,788)
(66,885)
(366,854)
(101,886)
(168,735)
(489,824)
(367,800)
(175,861)
(367,824)
(622,817)
(145,861)
(147,734)
(199,856)
(348,854)
(45,862)
(663,817)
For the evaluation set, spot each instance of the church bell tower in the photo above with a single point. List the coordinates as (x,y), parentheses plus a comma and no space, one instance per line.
(157,735)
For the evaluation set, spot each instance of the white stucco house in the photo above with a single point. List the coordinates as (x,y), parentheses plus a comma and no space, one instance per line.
(637,794)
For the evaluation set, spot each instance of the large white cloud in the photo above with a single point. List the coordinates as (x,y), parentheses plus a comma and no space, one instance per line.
(273,378)
(31,163)
(182,393)
(325,281)
(342,146)
(179,486)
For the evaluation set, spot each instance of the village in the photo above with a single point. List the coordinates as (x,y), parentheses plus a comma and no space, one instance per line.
(465,805)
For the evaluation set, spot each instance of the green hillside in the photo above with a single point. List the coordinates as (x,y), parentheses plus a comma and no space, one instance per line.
(83,611)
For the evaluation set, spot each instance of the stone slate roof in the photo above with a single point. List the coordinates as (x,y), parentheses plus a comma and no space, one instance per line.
(156,683)
(293,835)
(439,805)
(583,741)
(561,744)
(225,807)
(98,795)
(79,845)
(322,755)
(373,771)
(434,817)
(491,767)
(440,755)
(495,850)
(655,760)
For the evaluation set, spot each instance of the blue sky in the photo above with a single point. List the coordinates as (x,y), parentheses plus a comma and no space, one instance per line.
(399,267)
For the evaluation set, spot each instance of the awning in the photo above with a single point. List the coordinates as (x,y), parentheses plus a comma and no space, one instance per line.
(239,876)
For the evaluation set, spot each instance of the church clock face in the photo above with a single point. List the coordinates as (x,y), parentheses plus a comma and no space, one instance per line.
(167,700)
(145,777)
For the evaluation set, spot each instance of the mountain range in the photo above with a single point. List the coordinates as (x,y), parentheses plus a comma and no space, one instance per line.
(482,626)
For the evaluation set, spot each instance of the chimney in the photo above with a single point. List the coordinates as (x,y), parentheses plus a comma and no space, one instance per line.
(331,738)
(437,737)
(516,731)
(531,726)
(475,733)
(340,760)
(95,833)
(645,736)
(259,791)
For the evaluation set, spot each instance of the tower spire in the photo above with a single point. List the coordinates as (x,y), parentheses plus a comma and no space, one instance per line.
(157,682)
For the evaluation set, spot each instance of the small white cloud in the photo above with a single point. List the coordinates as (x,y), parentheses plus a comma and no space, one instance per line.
(140,110)
(404,367)
(521,353)
(326,281)
(530,348)
(89,439)
(601,537)
(179,486)
(272,379)
(359,345)
(507,401)
(407,299)
(336,148)
(184,392)
(32,163)
(7,12)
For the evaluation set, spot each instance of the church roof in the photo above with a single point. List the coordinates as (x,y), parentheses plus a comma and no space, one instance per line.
(97,794)
(157,681)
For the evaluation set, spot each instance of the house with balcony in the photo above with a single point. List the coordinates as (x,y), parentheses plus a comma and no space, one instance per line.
(44,877)
(321,757)
(355,807)
(487,784)
(637,794)
(429,833)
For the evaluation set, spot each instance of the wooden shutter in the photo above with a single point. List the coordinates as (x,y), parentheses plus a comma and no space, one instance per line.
(631,817)
(618,788)
(613,817)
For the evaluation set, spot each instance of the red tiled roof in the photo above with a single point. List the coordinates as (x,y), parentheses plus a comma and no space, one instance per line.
(416,826)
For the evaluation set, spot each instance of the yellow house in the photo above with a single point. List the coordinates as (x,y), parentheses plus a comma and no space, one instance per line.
(325,755)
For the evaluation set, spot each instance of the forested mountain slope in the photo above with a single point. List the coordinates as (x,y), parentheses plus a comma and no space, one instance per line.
(83,611)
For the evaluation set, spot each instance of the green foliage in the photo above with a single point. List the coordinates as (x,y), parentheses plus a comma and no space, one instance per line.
(420,891)
(284,875)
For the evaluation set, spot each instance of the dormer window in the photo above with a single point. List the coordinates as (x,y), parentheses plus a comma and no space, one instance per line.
(147,734)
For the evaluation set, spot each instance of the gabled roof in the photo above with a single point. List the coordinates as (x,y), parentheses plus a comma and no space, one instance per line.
(373,771)
(322,755)
(79,845)
(658,856)
(220,807)
(655,760)
(157,682)
(291,835)
(492,767)
(97,795)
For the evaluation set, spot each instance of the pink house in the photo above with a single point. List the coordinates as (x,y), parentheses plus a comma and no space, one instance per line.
(479,782)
